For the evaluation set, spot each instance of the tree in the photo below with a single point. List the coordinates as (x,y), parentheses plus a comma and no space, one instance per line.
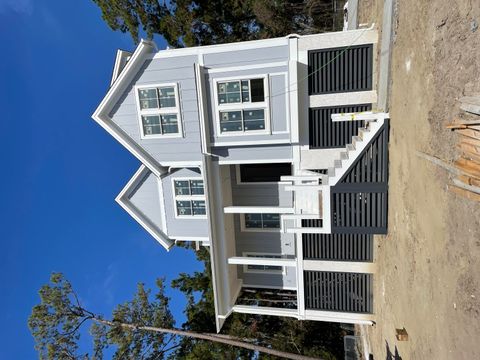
(206,22)
(142,328)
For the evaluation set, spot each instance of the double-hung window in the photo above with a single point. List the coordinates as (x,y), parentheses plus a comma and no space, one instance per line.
(261,222)
(159,113)
(242,105)
(189,197)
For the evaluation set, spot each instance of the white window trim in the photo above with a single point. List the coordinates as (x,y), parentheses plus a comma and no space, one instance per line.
(188,198)
(246,270)
(240,182)
(243,106)
(243,227)
(173,110)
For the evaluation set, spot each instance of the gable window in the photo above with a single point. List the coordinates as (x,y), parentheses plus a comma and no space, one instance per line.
(269,269)
(242,105)
(158,108)
(189,197)
(261,222)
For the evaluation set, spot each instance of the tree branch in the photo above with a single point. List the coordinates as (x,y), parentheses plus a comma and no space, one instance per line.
(209,337)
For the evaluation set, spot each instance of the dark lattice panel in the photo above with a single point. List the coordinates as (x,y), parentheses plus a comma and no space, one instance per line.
(338,247)
(338,291)
(340,69)
(324,133)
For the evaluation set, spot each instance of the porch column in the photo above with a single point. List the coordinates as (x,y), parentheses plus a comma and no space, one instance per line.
(341,317)
(257,210)
(263,310)
(339,266)
(241,260)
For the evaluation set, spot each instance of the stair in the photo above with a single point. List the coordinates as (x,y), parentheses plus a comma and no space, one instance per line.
(351,152)
(312,190)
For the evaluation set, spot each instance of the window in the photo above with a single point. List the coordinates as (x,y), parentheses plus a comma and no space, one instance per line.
(243,91)
(263,268)
(189,197)
(242,105)
(265,222)
(159,111)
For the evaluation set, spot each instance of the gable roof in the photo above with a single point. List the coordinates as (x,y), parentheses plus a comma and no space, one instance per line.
(101,114)
(126,201)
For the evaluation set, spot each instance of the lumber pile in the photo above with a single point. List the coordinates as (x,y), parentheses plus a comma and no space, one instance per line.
(467,182)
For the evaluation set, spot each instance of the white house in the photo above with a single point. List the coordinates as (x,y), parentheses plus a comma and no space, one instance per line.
(246,148)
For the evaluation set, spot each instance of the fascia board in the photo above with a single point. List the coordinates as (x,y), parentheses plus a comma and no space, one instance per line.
(101,114)
(123,200)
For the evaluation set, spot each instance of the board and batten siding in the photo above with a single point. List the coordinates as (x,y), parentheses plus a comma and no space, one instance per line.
(145,198)
(179,70)
(263,241)
(181,227)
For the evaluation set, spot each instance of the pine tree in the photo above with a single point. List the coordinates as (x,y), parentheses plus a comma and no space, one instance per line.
(206,22)
(142,328)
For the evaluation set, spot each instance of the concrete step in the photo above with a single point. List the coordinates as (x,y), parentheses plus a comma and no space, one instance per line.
(356,140)
(362,131)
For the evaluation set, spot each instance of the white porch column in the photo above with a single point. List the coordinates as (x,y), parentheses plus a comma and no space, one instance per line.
(257,210)
(263,310)
(300,280)
(339,266)
(336,99)
(240,260)
(342,317)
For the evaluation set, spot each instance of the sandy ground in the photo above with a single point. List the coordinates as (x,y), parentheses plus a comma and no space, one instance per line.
(428,278)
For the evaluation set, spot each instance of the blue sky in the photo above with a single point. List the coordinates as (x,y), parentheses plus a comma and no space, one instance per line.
(61,171)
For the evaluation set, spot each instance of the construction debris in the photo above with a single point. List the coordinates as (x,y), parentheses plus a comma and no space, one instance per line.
(401,334)
(470,104)
(467,166)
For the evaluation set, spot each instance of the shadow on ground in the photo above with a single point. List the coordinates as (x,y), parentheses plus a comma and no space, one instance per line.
(392,356)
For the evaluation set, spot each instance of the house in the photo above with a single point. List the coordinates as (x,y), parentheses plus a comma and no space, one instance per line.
(269,153)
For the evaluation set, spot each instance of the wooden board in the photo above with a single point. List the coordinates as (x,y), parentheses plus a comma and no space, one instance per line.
(470,104)
(469,140)
(474,100)
(466,153)
(469,122)
(472,188)
(465,193)
(471,147)
(455,126)
(470,133)
(469,180)
(468,166)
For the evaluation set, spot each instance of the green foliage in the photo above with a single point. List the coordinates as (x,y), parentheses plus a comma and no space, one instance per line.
(55,324)
(205,22)
(55,321)
(142,310)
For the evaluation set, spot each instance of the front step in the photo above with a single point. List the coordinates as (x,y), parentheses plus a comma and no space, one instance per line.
(353,150)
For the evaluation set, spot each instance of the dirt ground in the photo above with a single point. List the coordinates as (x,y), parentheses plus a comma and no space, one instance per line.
(428,277)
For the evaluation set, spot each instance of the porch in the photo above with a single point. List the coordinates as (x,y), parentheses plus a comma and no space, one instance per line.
(335,291)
